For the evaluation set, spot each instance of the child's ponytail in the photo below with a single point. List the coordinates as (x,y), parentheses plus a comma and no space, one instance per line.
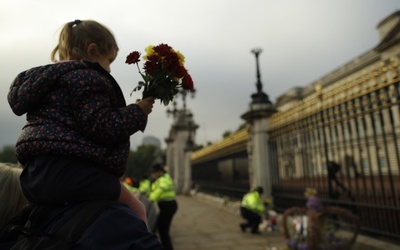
(76,36)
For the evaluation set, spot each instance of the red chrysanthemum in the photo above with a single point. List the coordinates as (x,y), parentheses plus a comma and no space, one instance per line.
(187,82)
(150,66)
(163,49)
(164,73)
(133,57)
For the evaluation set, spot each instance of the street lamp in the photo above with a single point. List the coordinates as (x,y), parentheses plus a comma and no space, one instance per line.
(183,93)
(172,111)
(259,96)
(189,142)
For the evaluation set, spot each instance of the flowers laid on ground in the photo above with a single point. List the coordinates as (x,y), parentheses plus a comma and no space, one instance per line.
(319,227)
(164,72)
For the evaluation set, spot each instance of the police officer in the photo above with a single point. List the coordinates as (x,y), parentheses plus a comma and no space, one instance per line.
(251,208)
(145,186)
(163,193)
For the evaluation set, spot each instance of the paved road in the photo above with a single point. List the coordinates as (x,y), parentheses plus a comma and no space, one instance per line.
(205,224)
(200,226)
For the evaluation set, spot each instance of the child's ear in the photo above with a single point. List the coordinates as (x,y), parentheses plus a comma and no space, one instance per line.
(92,50)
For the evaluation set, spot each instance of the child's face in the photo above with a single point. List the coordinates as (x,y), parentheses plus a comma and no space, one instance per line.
(105,61)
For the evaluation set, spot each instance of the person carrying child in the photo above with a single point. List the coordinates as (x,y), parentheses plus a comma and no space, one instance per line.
(75,143)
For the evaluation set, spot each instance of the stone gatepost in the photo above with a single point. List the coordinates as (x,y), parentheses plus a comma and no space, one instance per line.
(187,180)
(169,152)
(258,147)
(179,149)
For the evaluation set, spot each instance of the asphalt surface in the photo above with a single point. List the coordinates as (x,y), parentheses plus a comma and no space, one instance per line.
(205,223)
(198,225)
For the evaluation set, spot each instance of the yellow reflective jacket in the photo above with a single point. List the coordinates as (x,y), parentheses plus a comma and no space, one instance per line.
(253,202)
(162,189)
(145,187)
(130,188)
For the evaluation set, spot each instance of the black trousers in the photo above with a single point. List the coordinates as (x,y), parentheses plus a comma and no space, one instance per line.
(167,211)
(253,219)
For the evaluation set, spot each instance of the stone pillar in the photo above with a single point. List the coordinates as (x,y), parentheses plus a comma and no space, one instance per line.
(187,181)
(178,155)
(169,153)
(260,171)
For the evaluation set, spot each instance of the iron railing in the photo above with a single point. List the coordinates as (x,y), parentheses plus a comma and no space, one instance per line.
(350,152)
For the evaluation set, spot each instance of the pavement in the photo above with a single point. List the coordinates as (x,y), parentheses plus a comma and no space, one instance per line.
(202,224)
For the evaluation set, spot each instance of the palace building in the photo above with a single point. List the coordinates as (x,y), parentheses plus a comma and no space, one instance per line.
(339,134)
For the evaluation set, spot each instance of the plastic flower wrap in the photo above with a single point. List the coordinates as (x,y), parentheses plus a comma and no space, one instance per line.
(164,72)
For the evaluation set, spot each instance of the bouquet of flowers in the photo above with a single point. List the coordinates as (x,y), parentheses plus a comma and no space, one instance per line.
(164,72)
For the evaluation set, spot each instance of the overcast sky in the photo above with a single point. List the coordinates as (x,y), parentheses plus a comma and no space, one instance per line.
(302,40)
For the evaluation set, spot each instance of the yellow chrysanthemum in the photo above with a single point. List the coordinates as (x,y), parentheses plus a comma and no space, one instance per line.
(149,51)
(181,57)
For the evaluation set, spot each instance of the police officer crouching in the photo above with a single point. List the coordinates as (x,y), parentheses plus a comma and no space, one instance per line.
(163,193)
(251,208)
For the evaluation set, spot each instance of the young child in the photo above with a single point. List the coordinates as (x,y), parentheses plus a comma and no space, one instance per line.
(75,144)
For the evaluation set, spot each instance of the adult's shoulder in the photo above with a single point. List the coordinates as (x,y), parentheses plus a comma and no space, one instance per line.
(118,227)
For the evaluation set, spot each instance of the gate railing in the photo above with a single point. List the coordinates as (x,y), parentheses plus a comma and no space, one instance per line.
(346,144)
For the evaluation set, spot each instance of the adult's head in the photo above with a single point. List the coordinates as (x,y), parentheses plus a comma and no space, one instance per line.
(157,170)
(259,190)
(86,40)
(11,198)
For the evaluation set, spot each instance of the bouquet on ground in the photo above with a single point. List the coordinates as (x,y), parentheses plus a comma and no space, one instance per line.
(164,72)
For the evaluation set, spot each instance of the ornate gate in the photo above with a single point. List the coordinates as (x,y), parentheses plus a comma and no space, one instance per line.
(344,141)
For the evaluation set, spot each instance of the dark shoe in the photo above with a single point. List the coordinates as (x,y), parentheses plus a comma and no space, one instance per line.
(243,228)
(257,233)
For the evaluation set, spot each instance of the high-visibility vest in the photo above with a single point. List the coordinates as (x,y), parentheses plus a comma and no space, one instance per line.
(130,188)
(145,186)
(253,202)
(162,189)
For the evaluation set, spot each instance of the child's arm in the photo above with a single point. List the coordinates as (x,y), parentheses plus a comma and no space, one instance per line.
(127,198)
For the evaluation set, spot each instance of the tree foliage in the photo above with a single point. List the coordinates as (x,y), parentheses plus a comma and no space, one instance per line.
(226,134)
(242,126)
(141,160)
(8,155)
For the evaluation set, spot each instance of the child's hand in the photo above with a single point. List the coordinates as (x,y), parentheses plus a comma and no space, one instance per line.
(146,104)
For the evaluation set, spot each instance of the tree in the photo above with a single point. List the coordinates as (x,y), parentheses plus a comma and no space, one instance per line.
(141,160)
(242,126)
(226,134)
(8,155)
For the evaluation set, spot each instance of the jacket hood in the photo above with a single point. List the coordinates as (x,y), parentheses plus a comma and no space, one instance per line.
(32,85)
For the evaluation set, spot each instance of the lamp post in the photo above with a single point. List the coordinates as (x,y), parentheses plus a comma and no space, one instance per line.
(260,109)
(172,111)
(183,93)
(259,96)
(189,141)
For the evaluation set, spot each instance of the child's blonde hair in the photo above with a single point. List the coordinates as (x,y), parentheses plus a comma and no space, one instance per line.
(76,36)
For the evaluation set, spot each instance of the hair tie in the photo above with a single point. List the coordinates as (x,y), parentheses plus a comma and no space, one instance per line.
(75,23)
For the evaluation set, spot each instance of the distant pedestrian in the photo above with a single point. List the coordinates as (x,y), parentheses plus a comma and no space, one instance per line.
(163,193)
(128,183)
(251,209)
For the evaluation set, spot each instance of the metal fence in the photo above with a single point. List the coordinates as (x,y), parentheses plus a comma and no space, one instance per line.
(349,150)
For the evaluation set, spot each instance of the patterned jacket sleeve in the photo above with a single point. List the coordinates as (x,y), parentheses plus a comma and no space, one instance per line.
(98,110)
